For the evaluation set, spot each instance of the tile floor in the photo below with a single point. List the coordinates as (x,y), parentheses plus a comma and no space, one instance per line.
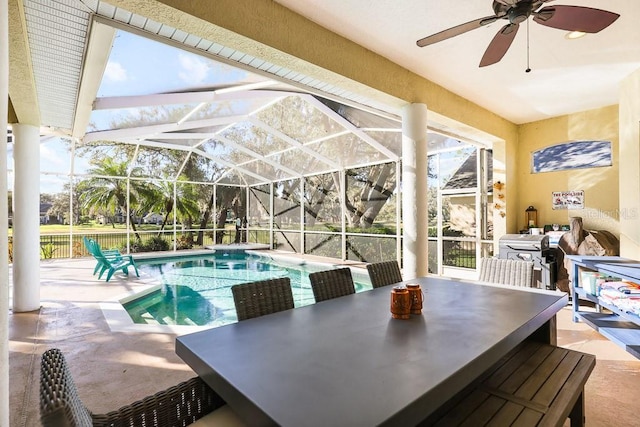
(112,369)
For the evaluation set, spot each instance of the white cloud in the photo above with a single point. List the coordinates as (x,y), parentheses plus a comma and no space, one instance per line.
(115,72)
(194,69)
(49,154)
(53,158)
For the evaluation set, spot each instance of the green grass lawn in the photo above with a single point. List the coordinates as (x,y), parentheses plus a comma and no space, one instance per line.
(99,228)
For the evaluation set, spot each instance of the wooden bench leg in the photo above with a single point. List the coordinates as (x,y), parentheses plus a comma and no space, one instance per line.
(577,415)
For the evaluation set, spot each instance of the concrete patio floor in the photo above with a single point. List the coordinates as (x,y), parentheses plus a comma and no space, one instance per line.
(112,369)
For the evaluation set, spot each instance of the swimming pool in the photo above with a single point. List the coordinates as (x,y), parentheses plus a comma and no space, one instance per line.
(196,290)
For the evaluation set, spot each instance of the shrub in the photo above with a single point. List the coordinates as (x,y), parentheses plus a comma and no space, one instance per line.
(185,241)
(153,244)
(156,243)
(47,251)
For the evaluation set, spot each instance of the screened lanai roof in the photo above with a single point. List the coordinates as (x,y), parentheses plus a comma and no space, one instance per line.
(162,89)
(251,129)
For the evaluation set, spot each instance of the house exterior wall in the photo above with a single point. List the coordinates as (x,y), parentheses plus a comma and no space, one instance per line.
(629,173)
(600,185)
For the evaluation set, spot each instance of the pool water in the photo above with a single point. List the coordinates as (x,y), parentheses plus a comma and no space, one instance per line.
(196,290)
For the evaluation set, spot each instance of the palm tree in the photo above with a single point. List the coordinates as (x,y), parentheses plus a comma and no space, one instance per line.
(159,197)
(107,189)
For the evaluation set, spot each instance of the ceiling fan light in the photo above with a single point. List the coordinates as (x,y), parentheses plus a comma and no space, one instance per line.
(572,35)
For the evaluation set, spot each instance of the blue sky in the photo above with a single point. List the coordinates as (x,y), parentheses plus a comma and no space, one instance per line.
(139,66)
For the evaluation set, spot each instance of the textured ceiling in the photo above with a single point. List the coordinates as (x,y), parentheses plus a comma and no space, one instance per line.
(567,75)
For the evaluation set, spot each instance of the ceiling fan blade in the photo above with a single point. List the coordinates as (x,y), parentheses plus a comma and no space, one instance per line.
(499,45)
(457,30)
(575,18)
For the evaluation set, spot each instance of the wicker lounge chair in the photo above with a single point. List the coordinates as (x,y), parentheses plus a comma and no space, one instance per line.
(507,271)
(384,273)
(332,284)
(256,299)
(60,404)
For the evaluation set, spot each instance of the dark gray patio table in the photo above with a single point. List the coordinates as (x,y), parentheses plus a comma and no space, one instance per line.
(345,362)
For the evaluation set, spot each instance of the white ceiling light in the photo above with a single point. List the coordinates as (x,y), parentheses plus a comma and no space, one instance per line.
(572,35)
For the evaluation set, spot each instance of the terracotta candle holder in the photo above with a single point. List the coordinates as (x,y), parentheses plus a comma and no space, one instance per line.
(400,302)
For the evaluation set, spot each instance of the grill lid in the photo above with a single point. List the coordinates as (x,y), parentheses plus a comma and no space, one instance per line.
(525,242)
(523,238)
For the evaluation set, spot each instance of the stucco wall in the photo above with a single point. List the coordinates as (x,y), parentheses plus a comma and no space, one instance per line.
(600,185)
(629,176)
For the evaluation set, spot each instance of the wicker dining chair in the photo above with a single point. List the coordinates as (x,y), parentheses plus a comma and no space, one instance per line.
(384,273)
(256,299)
(330,284)
(60,404)
(507,271)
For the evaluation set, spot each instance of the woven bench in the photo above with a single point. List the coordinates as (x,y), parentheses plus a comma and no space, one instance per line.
(536,385)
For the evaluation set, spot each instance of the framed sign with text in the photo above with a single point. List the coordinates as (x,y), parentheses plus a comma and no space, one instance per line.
(568,199)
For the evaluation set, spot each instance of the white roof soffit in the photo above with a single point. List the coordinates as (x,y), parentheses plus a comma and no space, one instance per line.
(58,33)
(98,51)
(137,24)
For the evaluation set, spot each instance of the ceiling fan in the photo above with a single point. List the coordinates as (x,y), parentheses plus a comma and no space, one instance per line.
(568,18)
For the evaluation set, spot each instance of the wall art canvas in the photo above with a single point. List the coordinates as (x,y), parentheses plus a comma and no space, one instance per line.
(572,155)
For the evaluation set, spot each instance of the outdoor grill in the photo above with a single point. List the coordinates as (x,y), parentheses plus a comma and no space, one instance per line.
(528,247)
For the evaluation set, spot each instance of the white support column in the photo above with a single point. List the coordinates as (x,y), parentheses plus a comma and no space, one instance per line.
(175,216)
(245,218)
(414,190)
(399,199)
(4,215)
(26,218)
(126,212)
(215,214)
(343,213)
(72,201)
(271,204)
(302,218)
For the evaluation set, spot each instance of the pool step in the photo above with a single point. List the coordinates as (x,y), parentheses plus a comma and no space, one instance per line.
(149,319)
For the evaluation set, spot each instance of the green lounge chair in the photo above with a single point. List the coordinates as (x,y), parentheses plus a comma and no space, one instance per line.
(110,261)
(110,254)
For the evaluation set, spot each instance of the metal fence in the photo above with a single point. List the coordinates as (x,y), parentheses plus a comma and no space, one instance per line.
(369,248)
(462,253)
(66,246)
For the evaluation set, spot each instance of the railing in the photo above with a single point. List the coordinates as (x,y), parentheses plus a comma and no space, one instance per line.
(63,246)
(459,253)
(462,253)
(360,247)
